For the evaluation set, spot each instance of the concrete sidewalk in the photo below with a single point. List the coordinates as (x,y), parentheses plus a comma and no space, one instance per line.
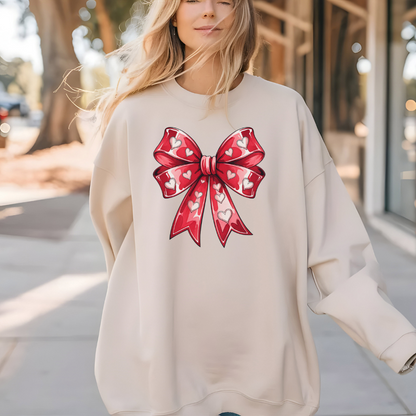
(53,285)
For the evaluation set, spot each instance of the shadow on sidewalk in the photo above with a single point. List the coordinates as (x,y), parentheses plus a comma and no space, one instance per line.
(46,218)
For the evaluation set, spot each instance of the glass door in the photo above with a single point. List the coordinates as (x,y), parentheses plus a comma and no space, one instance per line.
(346,68)
(285,56)
(333,33)
(401,140)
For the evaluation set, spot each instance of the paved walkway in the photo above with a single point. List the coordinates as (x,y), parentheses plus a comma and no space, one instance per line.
(52,289)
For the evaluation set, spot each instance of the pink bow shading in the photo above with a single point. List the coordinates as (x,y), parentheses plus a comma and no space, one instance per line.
(184,166)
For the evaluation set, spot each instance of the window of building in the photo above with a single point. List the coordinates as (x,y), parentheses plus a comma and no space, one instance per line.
(401,130)
(346,69)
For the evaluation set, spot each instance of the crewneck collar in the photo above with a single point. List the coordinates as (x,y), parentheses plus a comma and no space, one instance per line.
(201,100)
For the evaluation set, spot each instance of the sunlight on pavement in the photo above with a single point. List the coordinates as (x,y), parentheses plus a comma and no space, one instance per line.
(11,194)
(45,298)
(9,212)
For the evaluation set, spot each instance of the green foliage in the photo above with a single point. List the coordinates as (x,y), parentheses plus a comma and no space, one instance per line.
(119,11)
(23,5)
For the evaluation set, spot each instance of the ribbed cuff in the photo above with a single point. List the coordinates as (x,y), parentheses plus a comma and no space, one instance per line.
(409,366)
(397,354)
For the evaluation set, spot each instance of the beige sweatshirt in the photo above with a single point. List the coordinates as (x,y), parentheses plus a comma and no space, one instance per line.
(217,238)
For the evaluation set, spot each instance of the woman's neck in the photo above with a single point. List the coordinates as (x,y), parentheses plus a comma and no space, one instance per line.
(203,80)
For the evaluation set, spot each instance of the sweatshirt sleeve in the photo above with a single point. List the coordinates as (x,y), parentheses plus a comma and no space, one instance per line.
(110,201)
(350,286)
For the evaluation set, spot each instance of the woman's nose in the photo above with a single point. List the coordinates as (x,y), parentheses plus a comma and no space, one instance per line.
(209,9)
(208,14)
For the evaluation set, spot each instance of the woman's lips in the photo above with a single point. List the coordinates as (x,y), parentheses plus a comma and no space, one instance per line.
(208,31)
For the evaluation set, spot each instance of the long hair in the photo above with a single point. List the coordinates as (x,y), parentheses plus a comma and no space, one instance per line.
(157,55)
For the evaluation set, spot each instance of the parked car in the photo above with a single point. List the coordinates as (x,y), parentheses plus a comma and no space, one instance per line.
(4,126)
(15,104)
(4,113)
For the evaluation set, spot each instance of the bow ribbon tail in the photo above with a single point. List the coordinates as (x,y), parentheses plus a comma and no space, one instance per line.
(189,214)
(224,213)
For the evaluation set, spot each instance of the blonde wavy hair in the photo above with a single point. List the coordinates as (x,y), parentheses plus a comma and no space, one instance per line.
(157,55)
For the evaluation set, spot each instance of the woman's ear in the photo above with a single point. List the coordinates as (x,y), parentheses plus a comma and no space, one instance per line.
(173,20)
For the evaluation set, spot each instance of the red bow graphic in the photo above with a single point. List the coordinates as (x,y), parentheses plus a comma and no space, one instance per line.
(185,167)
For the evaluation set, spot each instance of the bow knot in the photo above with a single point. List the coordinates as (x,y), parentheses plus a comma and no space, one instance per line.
(208,165)
(184,166)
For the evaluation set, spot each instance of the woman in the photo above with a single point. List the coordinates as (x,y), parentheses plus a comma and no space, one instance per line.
(200,321)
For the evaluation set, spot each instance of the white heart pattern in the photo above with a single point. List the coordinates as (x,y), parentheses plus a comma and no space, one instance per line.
(243,143)
(174,143)
(224,215)
(247,184)
(189,152)
(230,174)
(229,152)
(202,180)
(198,194)
(187,174)
(171,184)
(193,205)
(217,186)
(219,197)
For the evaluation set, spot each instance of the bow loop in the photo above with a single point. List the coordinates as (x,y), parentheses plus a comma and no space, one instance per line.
(240,179)
(184,166)
(176,148)
(174,181)
(241,147)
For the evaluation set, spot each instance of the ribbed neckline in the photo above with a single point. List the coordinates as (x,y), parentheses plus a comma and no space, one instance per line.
(201,100)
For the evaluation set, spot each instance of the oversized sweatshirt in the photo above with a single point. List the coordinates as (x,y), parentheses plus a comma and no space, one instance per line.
(218,235)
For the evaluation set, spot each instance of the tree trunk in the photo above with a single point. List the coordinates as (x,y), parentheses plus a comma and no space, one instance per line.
(105,27)
(56,21)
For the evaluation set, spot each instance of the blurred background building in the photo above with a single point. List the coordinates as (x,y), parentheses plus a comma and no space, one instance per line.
(354,62)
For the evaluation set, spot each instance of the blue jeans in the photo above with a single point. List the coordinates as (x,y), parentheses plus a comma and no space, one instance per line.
(228,414)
